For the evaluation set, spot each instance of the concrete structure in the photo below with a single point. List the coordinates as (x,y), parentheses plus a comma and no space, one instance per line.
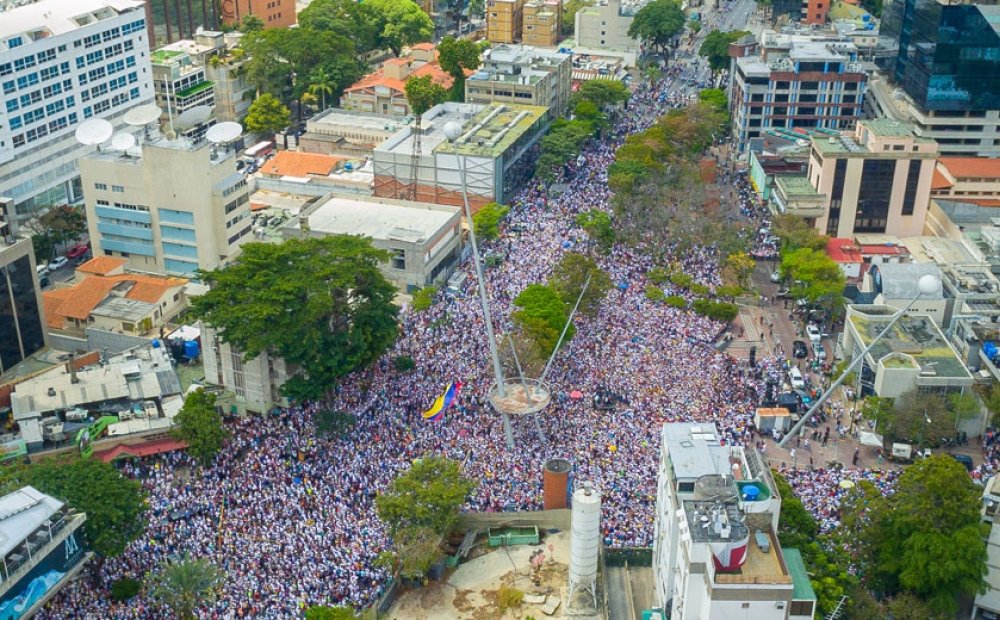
(716,553)
(141,378)
(347,133)
(384,91)
(233,91)
(523,75)
(106,297)
(22,321)
(542,22)
(815,11)
(252,385)
(493,143)
(989,601)
(895,284)
(504,19)
(939,75)
(876,180)
(313,174)
(424,240)
(41,551)
(914,355)
(967,179)
(274,13)
(176,207)
(795,81)
(62,62)
(605,25)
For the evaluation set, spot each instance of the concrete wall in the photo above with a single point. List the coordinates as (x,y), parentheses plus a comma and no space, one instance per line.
(545,519)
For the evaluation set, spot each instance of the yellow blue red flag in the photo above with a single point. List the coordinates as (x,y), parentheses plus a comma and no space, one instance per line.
(443,402)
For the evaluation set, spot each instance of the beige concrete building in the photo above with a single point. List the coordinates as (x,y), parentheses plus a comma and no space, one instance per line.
(875,180)
(525,75)
(605,25)
(348,133)
(251,385)
(168,206)
(504,19)
(542,21)
(384,91)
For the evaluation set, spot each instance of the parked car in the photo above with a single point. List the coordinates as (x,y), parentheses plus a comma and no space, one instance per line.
(799,349)
(819,351)
(42,270)
(58,263)
(77,251)
(43,281)
(775,276)
(814,334)
(965,460)
(796,379)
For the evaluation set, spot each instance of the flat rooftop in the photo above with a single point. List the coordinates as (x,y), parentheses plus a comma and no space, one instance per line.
(889,128)
(412,222)
(802,588)
(494,129)
(694,450)
(340,119)
(915,336)
(795,185)
(21,513)
(48,18)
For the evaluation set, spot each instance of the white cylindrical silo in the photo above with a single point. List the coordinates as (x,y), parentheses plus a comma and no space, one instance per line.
(585,541)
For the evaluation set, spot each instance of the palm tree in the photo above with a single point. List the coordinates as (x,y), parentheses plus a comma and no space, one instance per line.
(322,84)
(184,585)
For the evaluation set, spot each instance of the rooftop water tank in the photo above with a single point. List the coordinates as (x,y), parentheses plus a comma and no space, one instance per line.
(555,487)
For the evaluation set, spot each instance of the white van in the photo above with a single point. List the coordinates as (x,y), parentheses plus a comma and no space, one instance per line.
(456,281)
(796,379)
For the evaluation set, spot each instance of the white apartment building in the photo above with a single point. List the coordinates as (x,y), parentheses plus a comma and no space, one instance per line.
(605,25)
(62,62)
(172,207)
(716,553)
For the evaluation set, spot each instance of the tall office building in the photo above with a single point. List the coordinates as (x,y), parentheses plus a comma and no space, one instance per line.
(62,62)
(22,330)
(178,207)
(943,58)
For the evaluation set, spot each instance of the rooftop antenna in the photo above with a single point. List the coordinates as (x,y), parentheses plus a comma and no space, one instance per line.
(143,116)
(95,131)
(223,133)
(122,142)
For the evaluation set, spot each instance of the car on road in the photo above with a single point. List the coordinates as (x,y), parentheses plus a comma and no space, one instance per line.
(965,460)
(58,263)
(775,276)
(795,378)
(819,351)
(43,281)
(77,251)
(785,293)
(814,334)
(799,349)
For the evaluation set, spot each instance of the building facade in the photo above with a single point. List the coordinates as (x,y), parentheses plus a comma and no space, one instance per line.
(796,81)
(504,19)
(176,208)
(61,63)
(524,75)
(384,91)
(274,13)
(945,58)
(542,22)
(251,385)
(605,25)
(179,84)
(22,320)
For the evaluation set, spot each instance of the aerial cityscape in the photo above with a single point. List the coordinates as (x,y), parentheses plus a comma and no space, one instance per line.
(500,309)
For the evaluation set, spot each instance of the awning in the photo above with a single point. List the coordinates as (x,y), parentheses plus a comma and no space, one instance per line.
(871,440)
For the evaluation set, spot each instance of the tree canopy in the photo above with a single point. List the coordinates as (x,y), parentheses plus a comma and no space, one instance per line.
(115,505)
(486,221)
(657,23)
(59,225)
(267,115)
(323,612)
(399,23)
(795,232)
(348,19)
(200,426)
(564,140)
(423,93)
(541,316)
(185,585)
(598,225)
(321,304)
(603,92)
(571,273)
(715,48)
(715,97)
(820,276)
(427,495)
(455,56)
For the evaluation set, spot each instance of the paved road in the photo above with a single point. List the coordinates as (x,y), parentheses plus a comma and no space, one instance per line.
(618,604)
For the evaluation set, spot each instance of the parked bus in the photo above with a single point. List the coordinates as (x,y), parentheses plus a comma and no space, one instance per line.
(261,149)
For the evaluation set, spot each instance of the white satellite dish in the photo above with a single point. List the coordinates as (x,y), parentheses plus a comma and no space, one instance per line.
(194,116)
(122,142)
(94,131)
(135,151)
(223,132)
(142,115)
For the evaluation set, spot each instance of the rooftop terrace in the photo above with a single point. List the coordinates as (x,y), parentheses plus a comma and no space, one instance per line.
(915,336)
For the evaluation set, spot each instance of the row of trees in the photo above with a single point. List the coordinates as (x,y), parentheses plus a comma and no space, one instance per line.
(812,274)
(924,419)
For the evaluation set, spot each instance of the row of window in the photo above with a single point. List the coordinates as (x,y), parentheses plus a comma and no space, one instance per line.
(31,79)
(234,204)
(32,116)
(110,86)
(36,133)
(109,69)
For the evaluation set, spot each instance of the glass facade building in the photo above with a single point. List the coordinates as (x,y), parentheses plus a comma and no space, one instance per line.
(946,57)
(21,330)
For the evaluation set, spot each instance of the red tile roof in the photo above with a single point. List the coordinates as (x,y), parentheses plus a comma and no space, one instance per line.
(78,301)
(145,448)
(886,250)
(101,265)
(298,164)
(971,167)
(844,251)
(378,78)
(939,181)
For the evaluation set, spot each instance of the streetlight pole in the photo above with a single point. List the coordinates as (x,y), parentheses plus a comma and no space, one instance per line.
(927,285)
(452,131)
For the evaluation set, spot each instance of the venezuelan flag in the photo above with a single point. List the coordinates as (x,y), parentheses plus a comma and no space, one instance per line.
(443,402)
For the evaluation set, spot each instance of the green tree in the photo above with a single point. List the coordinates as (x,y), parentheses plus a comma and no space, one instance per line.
(399,23)
(321,304)
(345,18)
(657,23)
(321,84)
(586,111)
(456,56)
(427,495)
(125,588)
(251,23)
(715,48)
(741,266)
(186,585)
(571,273)
(910,415)
(267,115)
(598,225)
(796,527)
(59,225)
(423,93)
(991,399)
(542,315)
(486,221)
(424,298)
(795,232)
(45,248)
(816,275)
(115,505)
(570,8)
(603,92)
(564,140)
(322,612)
(200,426)
(715,97)
(873,6)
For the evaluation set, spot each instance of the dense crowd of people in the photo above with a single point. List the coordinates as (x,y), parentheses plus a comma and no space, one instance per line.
(822,489)
(289,516)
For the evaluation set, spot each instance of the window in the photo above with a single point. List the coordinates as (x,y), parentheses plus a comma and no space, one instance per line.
(912,180)
(875,190)
(398,260)
(836,196)
(101,186)
(118,189)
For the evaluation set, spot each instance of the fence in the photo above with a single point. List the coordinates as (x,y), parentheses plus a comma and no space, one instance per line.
(558,519)
(384,602)
(635,556)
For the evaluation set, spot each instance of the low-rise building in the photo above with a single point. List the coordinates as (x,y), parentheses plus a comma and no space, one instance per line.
(604,26)
(974,180)
(251,385)
(348,133)
(914,355)
(384,91)
(716,552)
(896,284)
(542,21)
(523,75)
(424,240)
(106,297)
(312,174)
(490,150)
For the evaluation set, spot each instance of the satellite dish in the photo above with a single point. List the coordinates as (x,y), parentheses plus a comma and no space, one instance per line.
(142,115)
(94,131)
(194,116)
(223,132)
(135,151)
(122,142)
